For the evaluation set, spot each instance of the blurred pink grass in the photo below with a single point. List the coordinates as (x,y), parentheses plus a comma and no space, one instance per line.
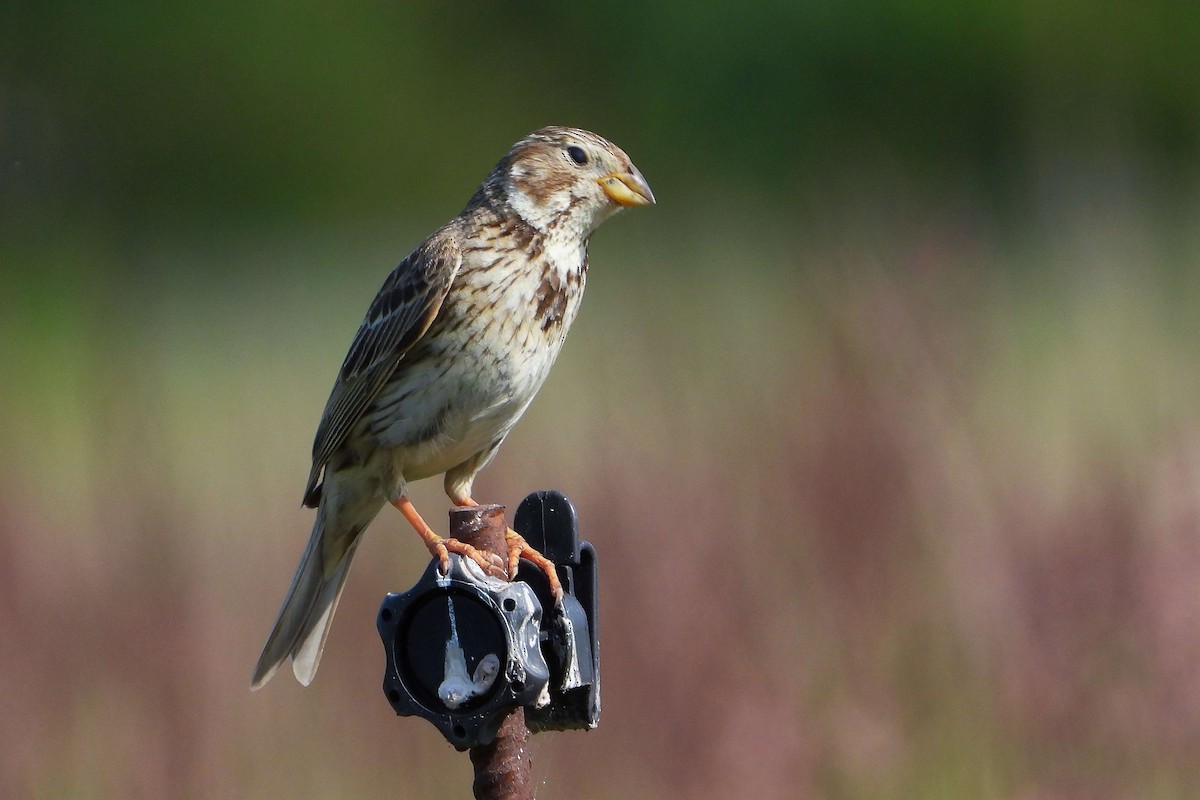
(920,531)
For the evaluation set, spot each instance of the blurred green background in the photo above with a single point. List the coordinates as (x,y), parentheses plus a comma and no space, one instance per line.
(884,421)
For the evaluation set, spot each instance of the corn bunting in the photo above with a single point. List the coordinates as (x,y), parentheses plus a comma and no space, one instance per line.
(454,347)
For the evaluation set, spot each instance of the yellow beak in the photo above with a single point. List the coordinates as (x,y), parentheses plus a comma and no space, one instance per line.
(627,188)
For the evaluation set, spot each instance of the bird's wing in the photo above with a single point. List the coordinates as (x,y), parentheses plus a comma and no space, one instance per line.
(403,310)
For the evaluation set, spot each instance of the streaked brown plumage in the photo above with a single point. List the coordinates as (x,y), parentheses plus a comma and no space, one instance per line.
(452,351)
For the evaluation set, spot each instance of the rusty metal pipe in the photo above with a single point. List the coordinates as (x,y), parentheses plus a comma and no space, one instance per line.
(502,768)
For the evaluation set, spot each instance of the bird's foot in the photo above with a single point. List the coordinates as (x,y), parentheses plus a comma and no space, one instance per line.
(440,548)
(518,548)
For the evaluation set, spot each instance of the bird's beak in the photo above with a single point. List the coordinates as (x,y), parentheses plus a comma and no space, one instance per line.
(627,188)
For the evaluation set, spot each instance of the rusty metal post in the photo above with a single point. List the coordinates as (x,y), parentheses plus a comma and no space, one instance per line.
(502,768)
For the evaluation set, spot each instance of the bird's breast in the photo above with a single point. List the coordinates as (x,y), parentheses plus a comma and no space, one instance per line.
(516,302)
(470,378)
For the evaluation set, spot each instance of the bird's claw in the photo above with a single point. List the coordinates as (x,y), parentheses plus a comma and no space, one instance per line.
(518,548)
(490,563)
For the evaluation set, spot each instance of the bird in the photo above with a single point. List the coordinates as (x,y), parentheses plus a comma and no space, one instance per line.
(452,350)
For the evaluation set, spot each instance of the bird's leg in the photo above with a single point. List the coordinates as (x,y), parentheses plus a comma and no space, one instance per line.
(442,548)
(518,548)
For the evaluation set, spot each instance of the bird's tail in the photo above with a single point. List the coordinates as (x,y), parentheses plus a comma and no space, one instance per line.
(303,623)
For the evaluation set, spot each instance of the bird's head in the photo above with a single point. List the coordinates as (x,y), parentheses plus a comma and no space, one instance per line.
(569,180)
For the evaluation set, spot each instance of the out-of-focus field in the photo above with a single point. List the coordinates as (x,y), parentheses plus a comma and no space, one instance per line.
(884,422)
(884,518)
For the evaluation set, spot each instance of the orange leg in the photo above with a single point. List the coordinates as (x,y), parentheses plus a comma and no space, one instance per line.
(442,548)
(518,548)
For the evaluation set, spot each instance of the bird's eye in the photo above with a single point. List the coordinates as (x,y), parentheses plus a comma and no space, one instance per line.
(577,155)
